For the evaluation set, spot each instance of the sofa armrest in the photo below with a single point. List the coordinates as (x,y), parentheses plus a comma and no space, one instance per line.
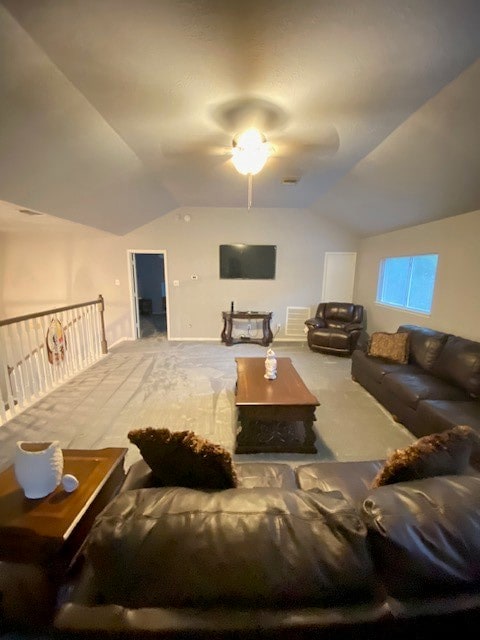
(353,326)
(362,342)
(315,323)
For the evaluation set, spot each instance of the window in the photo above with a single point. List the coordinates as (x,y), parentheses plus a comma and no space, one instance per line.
(408,282)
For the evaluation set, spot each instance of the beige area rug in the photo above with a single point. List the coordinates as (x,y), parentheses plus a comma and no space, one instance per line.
(190,386)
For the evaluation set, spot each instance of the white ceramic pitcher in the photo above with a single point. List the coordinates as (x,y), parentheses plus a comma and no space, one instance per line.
(38,467)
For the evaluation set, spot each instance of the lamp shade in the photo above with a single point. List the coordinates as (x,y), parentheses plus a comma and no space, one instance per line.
(250,152)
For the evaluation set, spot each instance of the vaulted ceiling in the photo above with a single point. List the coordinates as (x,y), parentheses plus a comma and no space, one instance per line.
(113,112)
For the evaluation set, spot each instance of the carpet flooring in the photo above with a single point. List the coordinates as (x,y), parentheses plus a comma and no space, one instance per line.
(190,386)
(152,325)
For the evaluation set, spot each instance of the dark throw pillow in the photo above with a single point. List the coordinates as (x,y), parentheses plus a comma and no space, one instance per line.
(438,454)
(183,459)
(391,346)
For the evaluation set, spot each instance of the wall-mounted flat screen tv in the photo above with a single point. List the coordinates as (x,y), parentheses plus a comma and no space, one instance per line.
(248,261)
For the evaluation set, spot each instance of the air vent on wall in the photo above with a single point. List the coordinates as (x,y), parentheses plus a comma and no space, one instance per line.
(29,212)
(295,322)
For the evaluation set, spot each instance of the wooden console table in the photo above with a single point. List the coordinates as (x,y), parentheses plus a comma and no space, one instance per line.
(229,318)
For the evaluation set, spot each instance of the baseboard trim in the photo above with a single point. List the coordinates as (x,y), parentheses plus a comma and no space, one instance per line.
(119,341)
(246,342)
(189,339)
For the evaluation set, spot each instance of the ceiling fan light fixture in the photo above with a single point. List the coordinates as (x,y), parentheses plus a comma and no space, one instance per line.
(250,152)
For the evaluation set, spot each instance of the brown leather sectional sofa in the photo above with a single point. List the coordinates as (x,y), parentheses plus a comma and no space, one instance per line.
(437,389)
(304,553)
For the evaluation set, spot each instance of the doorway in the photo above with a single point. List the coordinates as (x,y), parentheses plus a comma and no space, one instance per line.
(149,293)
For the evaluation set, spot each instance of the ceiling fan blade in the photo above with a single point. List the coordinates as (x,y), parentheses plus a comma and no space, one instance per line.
(213,145)
(320,144)
(194,160)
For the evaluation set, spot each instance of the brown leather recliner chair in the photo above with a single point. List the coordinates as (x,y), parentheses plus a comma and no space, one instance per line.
(335,328)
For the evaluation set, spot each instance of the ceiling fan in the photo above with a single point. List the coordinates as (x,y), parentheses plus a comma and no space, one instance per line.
(259,133)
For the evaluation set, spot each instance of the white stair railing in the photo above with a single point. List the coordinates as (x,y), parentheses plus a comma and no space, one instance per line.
(42,350)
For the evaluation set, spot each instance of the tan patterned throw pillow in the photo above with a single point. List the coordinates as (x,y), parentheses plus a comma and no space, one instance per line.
(391,346)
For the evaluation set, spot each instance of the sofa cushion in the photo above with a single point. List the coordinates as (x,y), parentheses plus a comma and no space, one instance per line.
(183,459)
(424,534)
(240,547)
(425,344)
(376,368)
(278,475)
(391,346)
(352,479)
(335,338)
(249,475)
(433,455)
(411,388)
(440,415)
(459,363)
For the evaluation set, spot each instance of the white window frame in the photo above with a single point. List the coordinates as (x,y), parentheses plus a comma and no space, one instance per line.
(404,307)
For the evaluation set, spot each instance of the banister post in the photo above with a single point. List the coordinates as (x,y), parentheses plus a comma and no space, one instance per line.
(102,323)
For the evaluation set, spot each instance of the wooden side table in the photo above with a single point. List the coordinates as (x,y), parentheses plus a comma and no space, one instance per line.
(41,538)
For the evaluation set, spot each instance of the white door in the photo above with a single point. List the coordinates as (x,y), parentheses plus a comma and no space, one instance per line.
(338,276)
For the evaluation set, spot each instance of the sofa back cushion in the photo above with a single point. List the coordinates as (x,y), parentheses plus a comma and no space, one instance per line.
(339,311)
(336,315)
(240,547)
(425,344)
(424,534)
(353,479)
(459,363)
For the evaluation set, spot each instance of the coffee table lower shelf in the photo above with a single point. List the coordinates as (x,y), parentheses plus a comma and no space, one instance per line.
(276,430)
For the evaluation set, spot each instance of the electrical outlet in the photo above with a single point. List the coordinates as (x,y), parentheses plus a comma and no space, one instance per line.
(249,326)
(279,326)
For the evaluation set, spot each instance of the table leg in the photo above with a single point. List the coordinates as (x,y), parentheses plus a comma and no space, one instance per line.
(245,439)
(309,441)
(226,335)
(267,332)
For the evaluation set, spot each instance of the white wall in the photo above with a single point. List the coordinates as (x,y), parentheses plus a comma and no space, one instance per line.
(46,269)
(456,301)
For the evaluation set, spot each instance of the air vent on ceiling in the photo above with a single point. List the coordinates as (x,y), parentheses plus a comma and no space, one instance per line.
(29,212)
(290,181)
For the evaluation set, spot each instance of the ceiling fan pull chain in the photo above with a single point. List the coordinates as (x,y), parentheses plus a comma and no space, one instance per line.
(250,191)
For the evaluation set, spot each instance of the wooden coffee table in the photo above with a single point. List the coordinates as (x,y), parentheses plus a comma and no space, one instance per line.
(275,416)
(45,535)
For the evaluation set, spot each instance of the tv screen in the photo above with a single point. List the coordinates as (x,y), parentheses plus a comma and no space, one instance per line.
(248,261)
